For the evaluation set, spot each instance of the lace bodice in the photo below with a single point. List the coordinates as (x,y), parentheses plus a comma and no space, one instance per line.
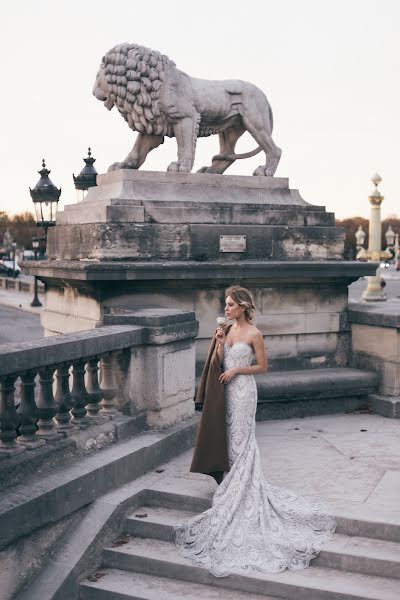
(238,355)
(252,525)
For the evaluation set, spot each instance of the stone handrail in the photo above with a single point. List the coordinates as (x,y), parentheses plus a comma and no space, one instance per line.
(49,410)
(19,285)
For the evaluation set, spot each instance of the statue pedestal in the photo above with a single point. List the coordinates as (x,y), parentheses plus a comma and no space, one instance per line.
(148,239)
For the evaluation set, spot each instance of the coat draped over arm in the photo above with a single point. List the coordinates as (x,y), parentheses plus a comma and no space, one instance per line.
(211,452)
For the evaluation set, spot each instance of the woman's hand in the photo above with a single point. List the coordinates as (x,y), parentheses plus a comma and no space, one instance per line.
(228,375)
(220,335)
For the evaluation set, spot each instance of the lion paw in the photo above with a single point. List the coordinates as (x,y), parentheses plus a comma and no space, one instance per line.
(263,171)
(202,170)
(126,164)
(179,166)
(115,166)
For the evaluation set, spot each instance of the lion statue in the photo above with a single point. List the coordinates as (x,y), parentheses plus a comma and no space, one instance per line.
(157,100)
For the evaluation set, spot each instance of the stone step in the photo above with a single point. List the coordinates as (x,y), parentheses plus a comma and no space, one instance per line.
(368,526)
(351,523)
(306,392)
(344,552)
(114,584)
(361,555)
(160,558)
(157,524)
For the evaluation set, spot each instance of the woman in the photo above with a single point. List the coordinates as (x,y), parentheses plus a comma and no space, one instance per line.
(252,525)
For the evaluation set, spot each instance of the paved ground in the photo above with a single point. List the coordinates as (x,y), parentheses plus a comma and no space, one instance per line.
(16,325)
(352,460)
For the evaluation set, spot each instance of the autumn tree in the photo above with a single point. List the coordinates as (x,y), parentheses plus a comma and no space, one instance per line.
(22,227)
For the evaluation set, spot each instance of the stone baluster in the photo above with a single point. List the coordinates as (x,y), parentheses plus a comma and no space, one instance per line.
(8,419)
(94,391)
(79,395)
(46,406)
(28,413)
(64,401)
(108,386)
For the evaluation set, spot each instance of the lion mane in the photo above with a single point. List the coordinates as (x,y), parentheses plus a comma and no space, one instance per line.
(135,76)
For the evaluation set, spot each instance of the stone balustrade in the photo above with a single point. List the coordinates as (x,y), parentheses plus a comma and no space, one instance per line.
(19,285)
(143,361)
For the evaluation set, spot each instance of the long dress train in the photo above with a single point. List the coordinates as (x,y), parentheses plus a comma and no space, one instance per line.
(252,525)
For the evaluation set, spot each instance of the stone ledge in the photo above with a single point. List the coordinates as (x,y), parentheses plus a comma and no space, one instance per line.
(147,317)
(23,356)
(195,179)
(187,271)
(160,325)
(315,384)
(289,394)
(383,315)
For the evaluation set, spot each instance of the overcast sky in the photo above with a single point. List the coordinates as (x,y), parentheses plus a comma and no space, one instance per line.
(330,70)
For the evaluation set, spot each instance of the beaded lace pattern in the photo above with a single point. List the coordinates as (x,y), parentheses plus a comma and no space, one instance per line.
(252,526)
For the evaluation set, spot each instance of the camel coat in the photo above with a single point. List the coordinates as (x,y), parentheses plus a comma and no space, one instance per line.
(211,452)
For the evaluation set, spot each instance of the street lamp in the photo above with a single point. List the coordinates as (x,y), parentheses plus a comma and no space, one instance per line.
(45,196)
(360,239)
(14,248)
(86,178)
(35,246)
(375,291)
(390,237)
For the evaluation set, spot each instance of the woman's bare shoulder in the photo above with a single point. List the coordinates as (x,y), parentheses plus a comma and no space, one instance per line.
(255,334)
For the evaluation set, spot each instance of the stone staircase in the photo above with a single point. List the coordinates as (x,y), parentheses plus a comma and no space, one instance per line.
(361,562)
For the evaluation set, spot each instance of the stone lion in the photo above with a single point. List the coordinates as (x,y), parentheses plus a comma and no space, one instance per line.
(157,99)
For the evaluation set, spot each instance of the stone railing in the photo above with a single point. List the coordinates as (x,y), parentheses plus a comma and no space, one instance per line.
(141,361)
(19,285)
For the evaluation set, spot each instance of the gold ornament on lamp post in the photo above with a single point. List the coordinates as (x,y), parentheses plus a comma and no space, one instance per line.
(375,290)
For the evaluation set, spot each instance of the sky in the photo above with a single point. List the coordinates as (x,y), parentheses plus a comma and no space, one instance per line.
(330,69)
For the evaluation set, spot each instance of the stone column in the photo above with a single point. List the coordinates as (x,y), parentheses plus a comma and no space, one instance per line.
(161,377)
(374,291)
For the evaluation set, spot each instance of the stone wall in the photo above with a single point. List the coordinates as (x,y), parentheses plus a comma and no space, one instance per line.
(375,334)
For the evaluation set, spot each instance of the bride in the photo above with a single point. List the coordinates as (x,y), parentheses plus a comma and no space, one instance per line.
(252,525)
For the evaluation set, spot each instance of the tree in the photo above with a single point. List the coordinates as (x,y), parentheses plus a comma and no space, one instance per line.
(22,227)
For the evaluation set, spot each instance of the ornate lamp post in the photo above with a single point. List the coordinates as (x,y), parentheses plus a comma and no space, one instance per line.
(86,178)
(45,196)
(14,251)
(390,238)
(35,246)
(360,239)
(375,289)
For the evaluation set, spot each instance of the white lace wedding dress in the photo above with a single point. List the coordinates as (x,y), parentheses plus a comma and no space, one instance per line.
(252,525)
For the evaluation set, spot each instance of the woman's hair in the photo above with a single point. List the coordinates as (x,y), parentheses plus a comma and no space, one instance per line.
(242,297)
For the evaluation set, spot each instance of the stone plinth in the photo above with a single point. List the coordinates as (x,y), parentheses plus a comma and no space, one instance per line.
(140,216)
(144,239)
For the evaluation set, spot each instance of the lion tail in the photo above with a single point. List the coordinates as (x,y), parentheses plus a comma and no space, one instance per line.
(234,156)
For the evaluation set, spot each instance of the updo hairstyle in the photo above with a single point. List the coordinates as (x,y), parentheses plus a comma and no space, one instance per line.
(242,297)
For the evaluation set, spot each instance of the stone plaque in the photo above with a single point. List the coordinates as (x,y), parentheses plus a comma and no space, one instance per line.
(232,243)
